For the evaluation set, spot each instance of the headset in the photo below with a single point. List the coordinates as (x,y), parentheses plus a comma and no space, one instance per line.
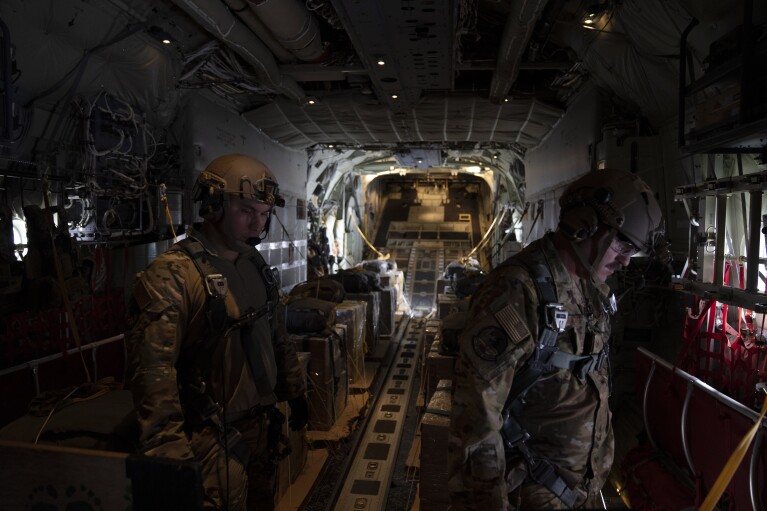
(581,212)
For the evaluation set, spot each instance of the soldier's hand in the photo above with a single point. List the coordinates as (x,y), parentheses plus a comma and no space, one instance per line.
(299,413)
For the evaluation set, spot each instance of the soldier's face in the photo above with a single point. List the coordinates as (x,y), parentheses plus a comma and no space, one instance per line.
(617,256)
(244,219)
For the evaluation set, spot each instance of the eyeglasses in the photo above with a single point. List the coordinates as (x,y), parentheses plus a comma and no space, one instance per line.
(623,247)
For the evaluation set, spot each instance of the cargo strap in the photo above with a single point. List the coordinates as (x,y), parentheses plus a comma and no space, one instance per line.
(543,472)
(724,478)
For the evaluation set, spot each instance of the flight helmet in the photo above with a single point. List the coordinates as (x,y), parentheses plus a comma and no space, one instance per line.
(617,199)
(235,174)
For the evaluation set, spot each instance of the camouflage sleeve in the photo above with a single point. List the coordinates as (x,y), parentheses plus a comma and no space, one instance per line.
(290,378)
(158,315)
(500,336)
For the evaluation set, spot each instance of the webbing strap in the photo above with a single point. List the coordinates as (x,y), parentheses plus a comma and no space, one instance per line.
(219,319)
(724,478)
(543,472)
(545,357)
(579,364)
(535,366)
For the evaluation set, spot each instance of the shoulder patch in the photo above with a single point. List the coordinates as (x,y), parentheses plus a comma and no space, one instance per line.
(490,343)
(512,323)
(141,294)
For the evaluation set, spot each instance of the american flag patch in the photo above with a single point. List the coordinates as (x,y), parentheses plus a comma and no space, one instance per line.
(510,320)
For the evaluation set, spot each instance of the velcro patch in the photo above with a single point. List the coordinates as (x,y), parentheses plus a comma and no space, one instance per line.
(490,343)
(510,320)
(142,295)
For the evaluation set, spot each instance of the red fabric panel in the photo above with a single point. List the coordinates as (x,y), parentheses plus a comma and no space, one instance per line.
(713,432)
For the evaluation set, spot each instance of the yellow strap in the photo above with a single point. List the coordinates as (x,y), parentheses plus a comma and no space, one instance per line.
(164,200)
(170,219)
(732,464)
(366,241)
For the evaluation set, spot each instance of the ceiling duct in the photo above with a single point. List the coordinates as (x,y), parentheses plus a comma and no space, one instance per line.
(406,47)
(519,27)
(216,18)
(295,27)
(240,8)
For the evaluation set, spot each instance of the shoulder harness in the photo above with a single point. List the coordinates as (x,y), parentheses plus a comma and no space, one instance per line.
(216,288)
(221,324)
(545,358)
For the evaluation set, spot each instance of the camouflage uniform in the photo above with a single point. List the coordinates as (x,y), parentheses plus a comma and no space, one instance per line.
(567,417)
(170,342)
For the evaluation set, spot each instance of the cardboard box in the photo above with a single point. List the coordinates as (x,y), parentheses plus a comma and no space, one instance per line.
(373,300)
(321,397)
(393,279)
(719,108)
(303,360)
(353,314)
(431,331)
(388,310)
(328,378)
(290,467)
(448,304)
(445,302)
(324,353)
(438,367)
(434,432)
(327,400)
(341,395)
(76,476)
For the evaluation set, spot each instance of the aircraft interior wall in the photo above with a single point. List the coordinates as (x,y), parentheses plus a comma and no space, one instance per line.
(450,159)
(561,158)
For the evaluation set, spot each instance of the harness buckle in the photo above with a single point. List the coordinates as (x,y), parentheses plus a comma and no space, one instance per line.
(513,434)
(216,285)
(602,357)
(556,317)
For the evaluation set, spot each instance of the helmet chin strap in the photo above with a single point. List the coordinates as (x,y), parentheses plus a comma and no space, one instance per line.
(589,266)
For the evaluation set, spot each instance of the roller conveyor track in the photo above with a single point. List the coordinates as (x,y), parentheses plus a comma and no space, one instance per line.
(370,473)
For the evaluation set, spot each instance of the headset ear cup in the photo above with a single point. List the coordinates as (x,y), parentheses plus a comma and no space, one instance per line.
(579,222)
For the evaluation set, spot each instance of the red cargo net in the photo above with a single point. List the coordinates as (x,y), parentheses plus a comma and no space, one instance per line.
(724,356)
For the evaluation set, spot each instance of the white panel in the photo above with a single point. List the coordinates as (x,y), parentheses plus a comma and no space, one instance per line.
(558,160)
(564,154)
(215,130)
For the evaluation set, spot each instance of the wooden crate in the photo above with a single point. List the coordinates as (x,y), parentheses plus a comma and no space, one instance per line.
(52,477)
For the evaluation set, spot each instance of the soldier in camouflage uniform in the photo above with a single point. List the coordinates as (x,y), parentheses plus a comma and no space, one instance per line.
(606,217)
(204,378)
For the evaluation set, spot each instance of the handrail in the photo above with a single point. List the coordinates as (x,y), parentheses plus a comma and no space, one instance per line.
(753,488)
(644,405)
(719,396)
(685,414)
(705,387)
(34,364)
